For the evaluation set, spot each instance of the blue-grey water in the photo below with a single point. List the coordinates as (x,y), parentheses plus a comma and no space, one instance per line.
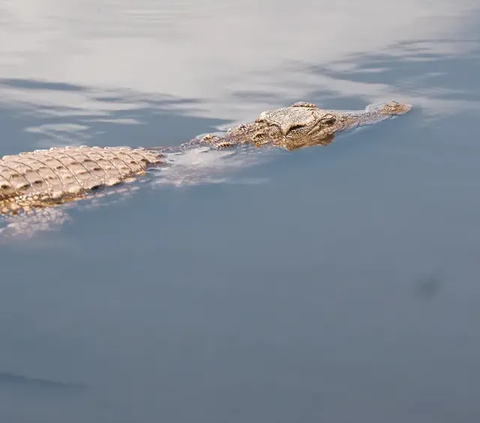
(334,284)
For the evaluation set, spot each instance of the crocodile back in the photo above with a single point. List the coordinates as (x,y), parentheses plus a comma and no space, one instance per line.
(47,177)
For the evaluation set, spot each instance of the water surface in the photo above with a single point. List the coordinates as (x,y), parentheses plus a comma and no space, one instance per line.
(334,284)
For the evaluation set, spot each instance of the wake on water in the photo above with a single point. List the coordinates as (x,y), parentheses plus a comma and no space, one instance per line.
(204,165)
(193,166)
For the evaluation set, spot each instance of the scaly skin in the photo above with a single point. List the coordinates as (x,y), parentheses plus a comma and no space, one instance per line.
(45,178)
(303,125)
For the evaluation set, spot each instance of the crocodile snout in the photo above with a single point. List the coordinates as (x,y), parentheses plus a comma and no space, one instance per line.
(390,108)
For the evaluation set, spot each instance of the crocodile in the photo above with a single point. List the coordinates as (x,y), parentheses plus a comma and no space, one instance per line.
(46,178)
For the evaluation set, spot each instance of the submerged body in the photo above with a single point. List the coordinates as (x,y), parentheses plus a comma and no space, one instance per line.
(45,178)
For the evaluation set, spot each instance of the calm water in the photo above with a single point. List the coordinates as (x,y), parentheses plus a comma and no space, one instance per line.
(334,284)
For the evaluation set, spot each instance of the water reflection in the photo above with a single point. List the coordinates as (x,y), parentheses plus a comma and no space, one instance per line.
(203,51)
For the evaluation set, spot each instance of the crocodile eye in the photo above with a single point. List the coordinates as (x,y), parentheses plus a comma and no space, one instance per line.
(296,127)
(328,120)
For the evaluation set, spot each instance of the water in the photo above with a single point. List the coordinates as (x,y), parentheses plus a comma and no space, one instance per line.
(333,284)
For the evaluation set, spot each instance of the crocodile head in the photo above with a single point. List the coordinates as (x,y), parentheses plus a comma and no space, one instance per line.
(304,124)
(296,126)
